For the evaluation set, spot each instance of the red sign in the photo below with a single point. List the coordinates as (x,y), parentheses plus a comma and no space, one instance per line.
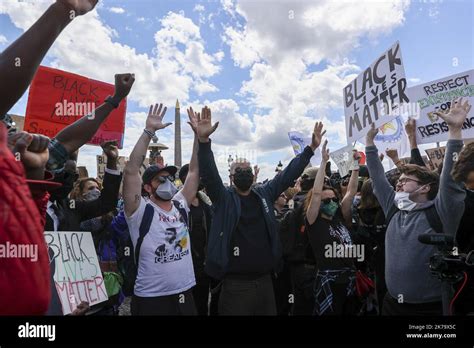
(58,98)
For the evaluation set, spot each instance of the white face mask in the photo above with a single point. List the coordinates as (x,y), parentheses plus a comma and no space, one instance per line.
(403,201)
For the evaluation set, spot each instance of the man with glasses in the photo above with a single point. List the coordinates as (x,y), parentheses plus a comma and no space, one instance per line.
(158,227)
(422,203)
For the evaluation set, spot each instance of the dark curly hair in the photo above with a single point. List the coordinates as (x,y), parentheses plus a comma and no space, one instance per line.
(465,164)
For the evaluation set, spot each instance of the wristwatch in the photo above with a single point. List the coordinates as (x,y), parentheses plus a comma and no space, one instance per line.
(112,101)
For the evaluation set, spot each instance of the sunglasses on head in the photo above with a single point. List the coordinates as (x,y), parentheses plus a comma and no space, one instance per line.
(328,200)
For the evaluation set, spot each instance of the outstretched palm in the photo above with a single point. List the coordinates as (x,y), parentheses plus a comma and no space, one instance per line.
(317,135)
(457,113)
(193,119)
(154,120)
(205,127)
(79,7)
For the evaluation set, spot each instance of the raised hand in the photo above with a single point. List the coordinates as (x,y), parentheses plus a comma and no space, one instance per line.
(110,149)
(371,134)
(205,127)
(123,85)
(193,119)
(154,120)
(410,127)
(456,114)
(256,170)
(317,135)
(392,154)
(324,154)
(33,152)
(79,7)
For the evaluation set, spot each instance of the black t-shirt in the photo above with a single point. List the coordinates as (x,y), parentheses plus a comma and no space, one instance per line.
(251,252)
(464,236)
(198,236)
(328,239)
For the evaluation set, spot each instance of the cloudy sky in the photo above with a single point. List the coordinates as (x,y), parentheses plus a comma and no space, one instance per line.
(264,67)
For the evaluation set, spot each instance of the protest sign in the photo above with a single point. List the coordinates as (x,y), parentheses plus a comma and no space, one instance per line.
(343,159)
(121,162)
(299,141)
(75,269)
(376,95)
(436,156)
(437,96)
(58,98)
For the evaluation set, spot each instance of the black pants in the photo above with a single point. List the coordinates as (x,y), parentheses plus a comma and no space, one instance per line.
(241,296)
(302,283)
(201,294)
(178,304)
(392,307)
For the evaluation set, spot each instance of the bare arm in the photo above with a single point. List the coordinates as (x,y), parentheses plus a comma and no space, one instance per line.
(192,180)
(132,182)
(315,203)
(18,63)
(346,204)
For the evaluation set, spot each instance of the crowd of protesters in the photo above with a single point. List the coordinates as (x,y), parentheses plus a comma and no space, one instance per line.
(306,242)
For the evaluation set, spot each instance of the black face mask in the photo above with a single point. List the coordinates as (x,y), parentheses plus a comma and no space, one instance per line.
(243,178)
(68,180)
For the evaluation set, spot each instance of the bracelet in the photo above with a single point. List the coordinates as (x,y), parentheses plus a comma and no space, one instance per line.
(149,133)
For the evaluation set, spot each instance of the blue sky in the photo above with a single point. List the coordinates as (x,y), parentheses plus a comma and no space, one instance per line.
(265,67)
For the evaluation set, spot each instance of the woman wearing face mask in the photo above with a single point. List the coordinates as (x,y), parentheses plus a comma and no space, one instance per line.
(328,221)
(105,242)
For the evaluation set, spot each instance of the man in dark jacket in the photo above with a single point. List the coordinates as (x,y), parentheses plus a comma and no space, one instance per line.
(244,245)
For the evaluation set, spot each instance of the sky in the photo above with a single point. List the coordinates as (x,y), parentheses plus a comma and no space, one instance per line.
(264,67)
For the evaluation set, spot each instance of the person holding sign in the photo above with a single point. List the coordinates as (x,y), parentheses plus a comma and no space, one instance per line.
(417,207)
(328,220)
(158,226)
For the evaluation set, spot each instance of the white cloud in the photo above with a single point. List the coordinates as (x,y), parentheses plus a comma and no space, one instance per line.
(141,19)
(199,8)
(3,40)
(179,63)
(281,50)
(117,10)
(414,79)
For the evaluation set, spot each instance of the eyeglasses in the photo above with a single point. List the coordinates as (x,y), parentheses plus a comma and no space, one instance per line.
(403,181)
(328,200)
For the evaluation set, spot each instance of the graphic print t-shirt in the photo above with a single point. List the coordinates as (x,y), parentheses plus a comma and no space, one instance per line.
(165,265)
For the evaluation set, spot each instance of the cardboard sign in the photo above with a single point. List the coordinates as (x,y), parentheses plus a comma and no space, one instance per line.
(343,159)
(376,95)
(75,269)
(58,98)
(122,161)
(436,156)
(437,96)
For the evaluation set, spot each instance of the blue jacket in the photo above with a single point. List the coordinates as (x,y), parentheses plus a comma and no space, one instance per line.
(226,203)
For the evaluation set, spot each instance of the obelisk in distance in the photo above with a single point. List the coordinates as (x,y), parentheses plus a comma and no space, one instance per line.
(177,136)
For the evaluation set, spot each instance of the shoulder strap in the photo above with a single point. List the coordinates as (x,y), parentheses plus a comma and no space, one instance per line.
(182,211)
(431,215)
(144,228)
(391,212)
(433,219)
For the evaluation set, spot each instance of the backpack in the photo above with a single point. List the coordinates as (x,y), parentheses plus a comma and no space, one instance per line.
(128,257)
(431,215)
(294,238)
